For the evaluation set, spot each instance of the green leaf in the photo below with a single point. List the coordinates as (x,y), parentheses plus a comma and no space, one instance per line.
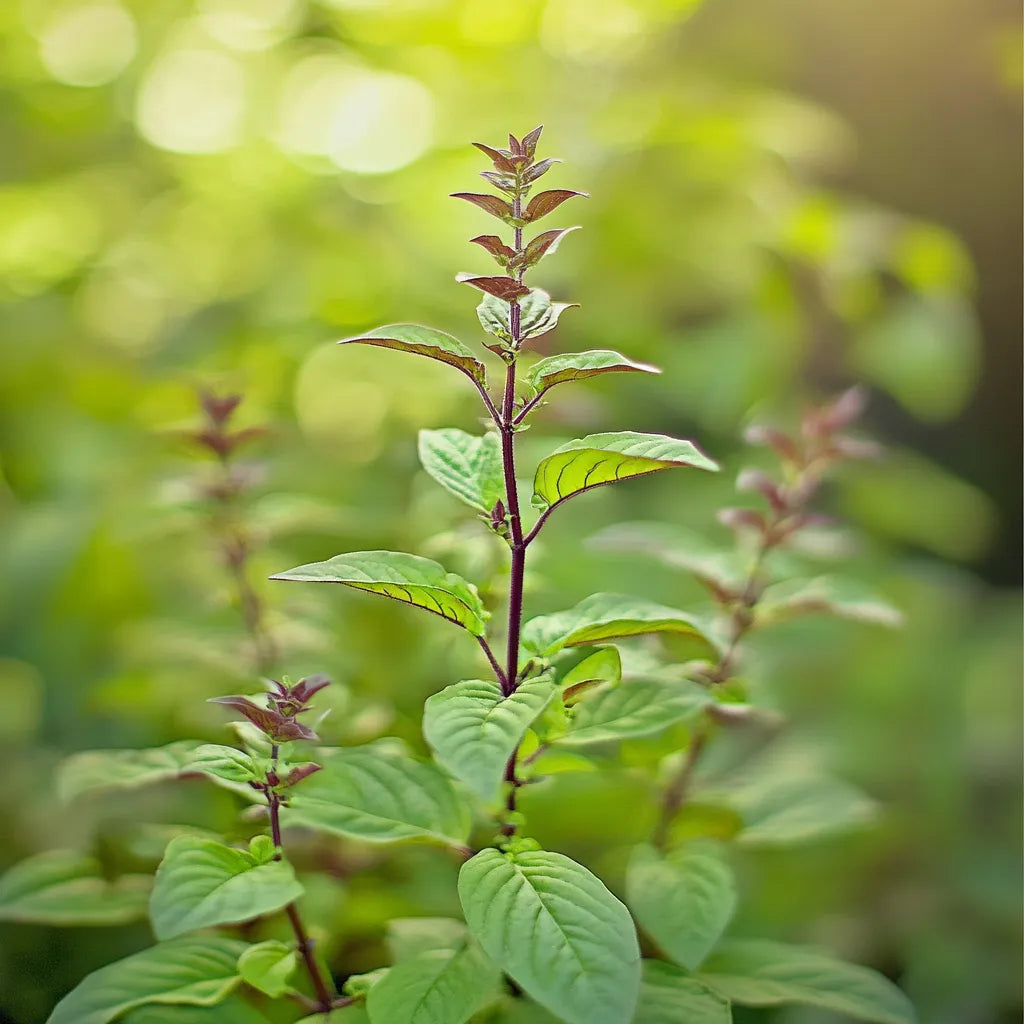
(468,467)
(761,973)
(825,595)
(410,936)
(93,771)
(669,996)
(556,930)
(436,987)
(578,366)
(407,578)
(267,967)
(424,341)
(225,763)
(607,458)
(232,1011)
(603,666)
(65,888)
(602,618)
(195,970)
(636,707)
(380,795)
(683,900)
(473,729)
(538,315)
(201,883)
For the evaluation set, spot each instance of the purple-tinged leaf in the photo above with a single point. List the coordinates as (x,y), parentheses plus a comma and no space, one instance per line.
(496,247)
(425,341)
(545,242)
(505,288)
(784,446)
(544,202)
(742,519)
(277,726)
(755,480)
(506,182)
(541,167)
(530,140)
(492,204)
(515,145)
(500,160)
(300,772)
(219,407)
(837,415)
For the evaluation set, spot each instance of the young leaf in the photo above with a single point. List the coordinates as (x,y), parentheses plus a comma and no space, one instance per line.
(505,288)
(530,140)
(683,900)
(380,795)
(544,203)
(604,666)
(93,771)
(195,970)
(201,883)
(500,161)
(496,247)
(531,174)
(65,888)
(226,763)
(602,618)
(267,967)
(556,930)
(473,729)
(762,973)
(607,458)
(437,987)
(578,366)
(638,707)
(491,204)
(546,242)
(825,595)
(424,341)
(538,315)
(670,996)
(407,578)
(468,467)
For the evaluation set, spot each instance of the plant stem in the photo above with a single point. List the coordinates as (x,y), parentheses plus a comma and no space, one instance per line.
(676,792)
(304,944)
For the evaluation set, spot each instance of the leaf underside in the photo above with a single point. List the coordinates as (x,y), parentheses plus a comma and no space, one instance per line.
(424,341)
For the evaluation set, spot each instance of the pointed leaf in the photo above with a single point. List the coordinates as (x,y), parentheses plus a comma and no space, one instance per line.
(541,167)
(670,996)
(436,987)
(504,288)
(761,973)
(424,341)
(607,458)
(683,900)
(225,763)
(580,365)
(473,729)
(468,467)
(530,140)
(201,883)
(65,888)
(380,795)
(93,771)
(195,970)
(602,618)
(407,578)
(546,242)
(556,930)
(491,204)
(267,967)
(500,161)
(538,315)
(825,595)
(496,247)
(544,202)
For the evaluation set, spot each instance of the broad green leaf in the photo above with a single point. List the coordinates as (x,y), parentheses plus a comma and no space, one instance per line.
(226,763)
(602,618)
(436,987)
(556,930)
(607,458)
(65,888)
(232,1011)
(468,467)
(473,729)
(683,900)
(538,315)
(380,795)
(670,996)
(424,341)
(636,707)
(407,578)
(268,966)
(579,365)
(95,770)
(761,973)
(410,936)
(195,970)
(825,595)
(201,883)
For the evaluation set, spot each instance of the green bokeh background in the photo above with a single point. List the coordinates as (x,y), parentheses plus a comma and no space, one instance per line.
(787,196)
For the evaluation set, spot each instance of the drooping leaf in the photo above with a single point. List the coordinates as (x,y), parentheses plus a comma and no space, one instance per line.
(538,315)
(468,467)
(500,160)
(684,900)
(93,771)
(195,970)
(411,936)
(424,341)
(267,967)
(473,729)
(670,996)
(824,595)
(232,1010)
(491,204)
(636,707)
(503,288)
(379,794)
(436,987)
(569,366)
(607,458)
(603,666)
(556,930)
(65,888)
(543,244)
(762,973)
(227,763)
(602,618)
(201,883)
(544,203)
(402,577)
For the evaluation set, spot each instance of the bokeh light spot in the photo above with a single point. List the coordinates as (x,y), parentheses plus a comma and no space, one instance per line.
(88,45)
(249,24)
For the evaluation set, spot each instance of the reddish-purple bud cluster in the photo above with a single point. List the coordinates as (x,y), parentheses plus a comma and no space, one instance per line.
(278,718)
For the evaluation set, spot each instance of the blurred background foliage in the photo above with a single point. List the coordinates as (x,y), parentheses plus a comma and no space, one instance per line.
(787,196)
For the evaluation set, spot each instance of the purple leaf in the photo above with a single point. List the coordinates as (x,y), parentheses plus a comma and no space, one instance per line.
(546,241)
(496,247)
(492,204)
(530,141)
(544,202)
(500,160)
(507,288)
(534,172)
